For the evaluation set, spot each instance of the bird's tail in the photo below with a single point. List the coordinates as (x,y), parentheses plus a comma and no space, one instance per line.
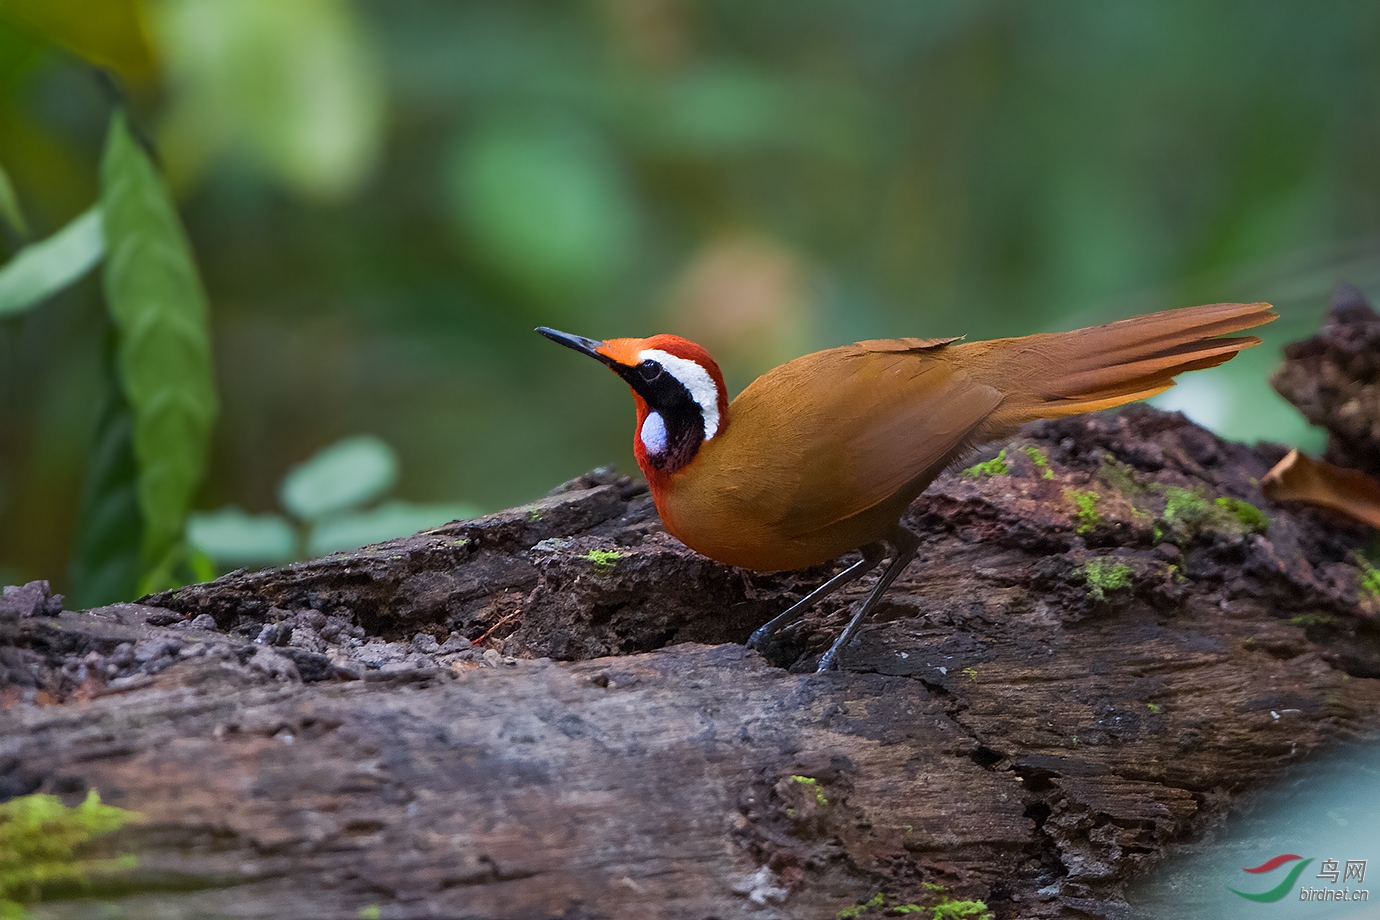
(1066,373)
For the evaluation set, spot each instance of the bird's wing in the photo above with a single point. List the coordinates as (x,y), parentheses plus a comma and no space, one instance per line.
(843,430)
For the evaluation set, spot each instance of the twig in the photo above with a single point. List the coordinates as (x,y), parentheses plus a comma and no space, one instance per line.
(490,631)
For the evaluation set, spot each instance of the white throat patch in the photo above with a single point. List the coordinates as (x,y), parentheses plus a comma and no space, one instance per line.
(696,380)
(654,434)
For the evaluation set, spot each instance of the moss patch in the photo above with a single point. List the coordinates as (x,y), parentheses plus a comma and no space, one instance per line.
(1119,476)
(961,910)
(39,839)
(947,909)
(1085,508)
(1041,461)
(1370,577)
(820,798)
(1251,517)
(849,913)
(1104,575)
(603,559)
(997,466)
(1188,512)
(1185,506)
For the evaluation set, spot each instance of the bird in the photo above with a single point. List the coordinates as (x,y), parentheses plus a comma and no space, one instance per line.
(821,456)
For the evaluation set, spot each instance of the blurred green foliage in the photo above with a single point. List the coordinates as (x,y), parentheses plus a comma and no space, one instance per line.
(384,199)
(351,472)
(107,552)
(41,844)
(543,201)
(163,348)
(40,270)
(9,207)
(291,89)
(333,498)
(159,399)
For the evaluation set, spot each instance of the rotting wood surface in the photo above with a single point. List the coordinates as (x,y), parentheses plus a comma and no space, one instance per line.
(1109,639)
(1334,380)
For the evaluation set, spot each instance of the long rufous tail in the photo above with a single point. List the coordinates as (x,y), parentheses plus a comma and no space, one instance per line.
(1066,373)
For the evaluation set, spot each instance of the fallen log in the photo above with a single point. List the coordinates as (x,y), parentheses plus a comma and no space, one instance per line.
(1109,638)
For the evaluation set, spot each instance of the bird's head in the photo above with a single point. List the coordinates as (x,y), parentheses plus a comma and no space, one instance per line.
(679,392)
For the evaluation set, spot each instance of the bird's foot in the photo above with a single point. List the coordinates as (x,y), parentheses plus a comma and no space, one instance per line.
(830,660)
(758,640)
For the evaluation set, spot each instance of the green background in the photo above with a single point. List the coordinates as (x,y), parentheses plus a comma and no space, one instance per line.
(384,199)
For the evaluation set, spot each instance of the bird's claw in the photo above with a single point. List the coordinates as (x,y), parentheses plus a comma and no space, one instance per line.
(829,661)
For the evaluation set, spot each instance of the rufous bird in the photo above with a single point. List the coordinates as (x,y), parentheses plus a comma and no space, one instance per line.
(822,455)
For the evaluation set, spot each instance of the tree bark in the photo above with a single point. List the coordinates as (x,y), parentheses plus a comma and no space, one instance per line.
(1109,639)
(1334,380)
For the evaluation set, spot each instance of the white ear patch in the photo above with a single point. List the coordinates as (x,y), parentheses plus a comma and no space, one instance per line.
(654,434)
(696,380)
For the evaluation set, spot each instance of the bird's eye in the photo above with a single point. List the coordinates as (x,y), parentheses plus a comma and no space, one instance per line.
(649,370)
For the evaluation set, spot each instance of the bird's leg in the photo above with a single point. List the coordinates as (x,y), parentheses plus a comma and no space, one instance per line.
(872,554)
(906,545)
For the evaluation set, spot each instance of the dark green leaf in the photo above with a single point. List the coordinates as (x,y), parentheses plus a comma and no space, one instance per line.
(9,205)
(164,352)
(106,560)
(41,269)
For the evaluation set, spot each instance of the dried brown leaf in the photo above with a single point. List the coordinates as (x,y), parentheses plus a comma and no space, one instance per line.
(1298,478)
